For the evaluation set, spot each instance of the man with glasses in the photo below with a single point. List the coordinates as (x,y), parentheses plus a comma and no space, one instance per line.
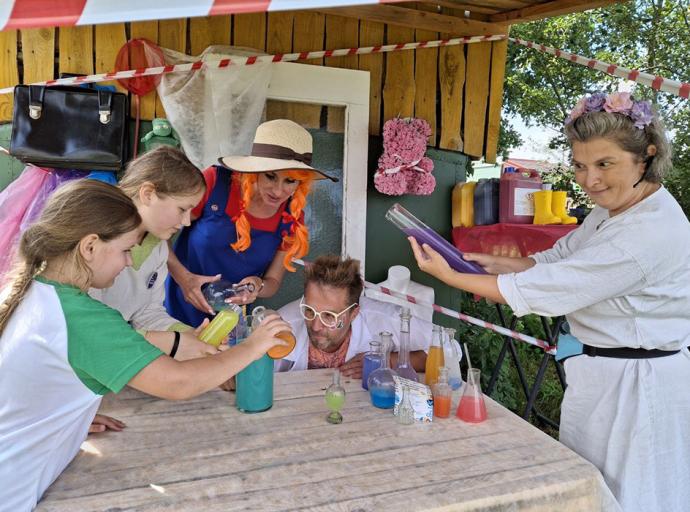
(334,323)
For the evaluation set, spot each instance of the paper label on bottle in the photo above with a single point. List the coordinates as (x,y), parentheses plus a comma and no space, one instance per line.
(420,397)
(523,203)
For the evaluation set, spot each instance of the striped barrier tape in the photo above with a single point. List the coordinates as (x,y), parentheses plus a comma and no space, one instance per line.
(656,82)
(259,59)
(549,349)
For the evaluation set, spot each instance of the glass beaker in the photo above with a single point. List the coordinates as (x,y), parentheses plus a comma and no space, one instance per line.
(335,399)
(217,292)
(278,351)
(472,408)
(371,361)
(221,325)
(404,367)
(381,383)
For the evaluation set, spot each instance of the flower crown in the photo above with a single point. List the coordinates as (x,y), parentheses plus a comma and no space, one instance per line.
(618,102)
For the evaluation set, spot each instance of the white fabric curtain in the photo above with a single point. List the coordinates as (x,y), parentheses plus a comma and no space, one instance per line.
(215,111)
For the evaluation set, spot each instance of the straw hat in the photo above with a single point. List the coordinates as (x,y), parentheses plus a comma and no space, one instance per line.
(279,145)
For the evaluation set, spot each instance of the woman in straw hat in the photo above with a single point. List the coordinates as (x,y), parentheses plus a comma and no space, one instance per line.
(249,224)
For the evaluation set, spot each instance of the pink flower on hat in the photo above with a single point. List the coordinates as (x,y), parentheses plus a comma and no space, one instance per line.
(619,102)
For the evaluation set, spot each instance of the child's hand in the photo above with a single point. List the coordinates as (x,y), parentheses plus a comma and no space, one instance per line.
(264,336)
(191,347)
(101,423)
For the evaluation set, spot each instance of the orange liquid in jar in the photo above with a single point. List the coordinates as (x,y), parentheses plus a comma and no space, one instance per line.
(280,351)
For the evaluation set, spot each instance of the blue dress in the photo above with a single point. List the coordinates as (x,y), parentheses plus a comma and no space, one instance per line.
(204,248)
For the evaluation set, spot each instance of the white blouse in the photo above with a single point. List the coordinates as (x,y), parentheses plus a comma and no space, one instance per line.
(621,281)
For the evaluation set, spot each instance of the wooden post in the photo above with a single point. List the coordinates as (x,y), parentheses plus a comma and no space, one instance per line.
(499,52)
(341,32)
(399,87)
(38,51)
(476,97)
(172,34)
(371,34)
(146,30)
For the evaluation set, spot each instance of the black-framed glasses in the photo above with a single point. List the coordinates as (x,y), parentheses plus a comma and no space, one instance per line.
(328,318)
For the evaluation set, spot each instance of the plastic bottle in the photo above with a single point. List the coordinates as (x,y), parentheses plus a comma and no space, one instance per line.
(434,358)
(467,206)
(486,202)
(456,205)
(442,395)
(516,188)
(221,325)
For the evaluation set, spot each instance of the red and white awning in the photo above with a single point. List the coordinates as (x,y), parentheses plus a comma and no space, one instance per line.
(18,14)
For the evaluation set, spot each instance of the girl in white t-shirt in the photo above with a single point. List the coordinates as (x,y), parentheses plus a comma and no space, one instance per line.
(164,186)
(61,350)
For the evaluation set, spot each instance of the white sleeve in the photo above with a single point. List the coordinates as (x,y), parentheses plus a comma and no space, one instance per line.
(586,277)
(153,316)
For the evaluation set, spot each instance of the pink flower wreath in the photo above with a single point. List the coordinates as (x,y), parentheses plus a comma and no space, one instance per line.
(403,168)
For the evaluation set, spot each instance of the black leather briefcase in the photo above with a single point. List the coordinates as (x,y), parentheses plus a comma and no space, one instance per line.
(69,127)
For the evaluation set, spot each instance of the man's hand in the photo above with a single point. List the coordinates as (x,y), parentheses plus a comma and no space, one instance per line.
(353,367)
(101,423)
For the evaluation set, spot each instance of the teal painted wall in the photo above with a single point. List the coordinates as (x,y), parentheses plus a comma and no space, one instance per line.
(387,245)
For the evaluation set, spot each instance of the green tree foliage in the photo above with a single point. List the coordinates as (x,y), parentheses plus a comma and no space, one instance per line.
(650,35)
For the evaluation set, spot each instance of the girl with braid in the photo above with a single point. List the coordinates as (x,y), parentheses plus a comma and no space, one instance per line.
(61,350)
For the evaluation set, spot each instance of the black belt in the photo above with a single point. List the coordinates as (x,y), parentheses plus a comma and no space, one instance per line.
(626,352)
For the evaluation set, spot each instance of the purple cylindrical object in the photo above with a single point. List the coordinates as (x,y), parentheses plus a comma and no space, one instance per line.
(412,226)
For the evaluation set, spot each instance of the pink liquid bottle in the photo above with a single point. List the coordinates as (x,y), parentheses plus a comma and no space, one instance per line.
(472,408)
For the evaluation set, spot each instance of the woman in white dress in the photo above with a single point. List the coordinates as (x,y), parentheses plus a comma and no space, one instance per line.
(623,281)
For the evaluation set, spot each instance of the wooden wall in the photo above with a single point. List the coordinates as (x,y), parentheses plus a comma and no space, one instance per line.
(458,89)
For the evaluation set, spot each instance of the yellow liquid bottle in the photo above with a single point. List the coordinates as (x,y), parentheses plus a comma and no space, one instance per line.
(467,204)
(456,205)
(219,328)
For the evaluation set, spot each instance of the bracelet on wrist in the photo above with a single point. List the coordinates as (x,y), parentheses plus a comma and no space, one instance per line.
(176,345)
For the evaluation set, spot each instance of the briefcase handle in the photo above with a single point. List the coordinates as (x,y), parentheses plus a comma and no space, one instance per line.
(37,93)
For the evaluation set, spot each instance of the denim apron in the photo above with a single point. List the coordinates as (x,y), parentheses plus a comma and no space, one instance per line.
(204,248)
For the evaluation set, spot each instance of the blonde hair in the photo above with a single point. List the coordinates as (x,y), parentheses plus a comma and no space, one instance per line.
(74,211)
(297,239)
(330,270)
(167,169)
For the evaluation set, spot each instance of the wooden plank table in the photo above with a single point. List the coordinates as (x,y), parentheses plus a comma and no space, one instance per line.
(203,454)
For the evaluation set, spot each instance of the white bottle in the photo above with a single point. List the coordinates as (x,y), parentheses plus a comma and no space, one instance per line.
(452,355)
(399,281)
